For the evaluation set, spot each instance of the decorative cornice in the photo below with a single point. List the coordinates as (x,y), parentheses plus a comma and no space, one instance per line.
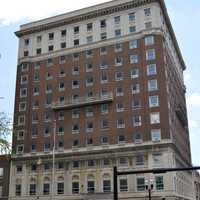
(84,17)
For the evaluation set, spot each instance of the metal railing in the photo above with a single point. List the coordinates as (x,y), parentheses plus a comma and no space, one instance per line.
(82,101)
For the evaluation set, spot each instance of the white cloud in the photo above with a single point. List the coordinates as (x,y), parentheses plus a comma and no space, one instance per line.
(193,99)
(193,124)
(15,11)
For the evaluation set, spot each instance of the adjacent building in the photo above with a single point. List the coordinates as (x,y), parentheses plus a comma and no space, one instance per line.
(96,88)
(4,176)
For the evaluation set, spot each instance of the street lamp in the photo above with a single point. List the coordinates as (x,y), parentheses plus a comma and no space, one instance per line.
(149,186)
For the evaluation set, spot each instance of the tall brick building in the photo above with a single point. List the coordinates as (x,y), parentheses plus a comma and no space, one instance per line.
(105,85)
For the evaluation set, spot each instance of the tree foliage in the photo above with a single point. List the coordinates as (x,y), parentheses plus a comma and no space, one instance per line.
(5,132)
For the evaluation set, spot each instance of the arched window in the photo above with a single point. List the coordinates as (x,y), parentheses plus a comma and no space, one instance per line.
(75,184)
(32,186)
(18,187)
(90,184)
(106,183)
(60,185)
(46,186)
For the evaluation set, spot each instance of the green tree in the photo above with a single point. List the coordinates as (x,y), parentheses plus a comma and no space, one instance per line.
(5,132)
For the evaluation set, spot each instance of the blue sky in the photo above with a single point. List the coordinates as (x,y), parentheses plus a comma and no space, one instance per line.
(184,16)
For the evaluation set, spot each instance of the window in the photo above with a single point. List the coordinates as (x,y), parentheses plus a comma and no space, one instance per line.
(118,33)
(133,44)
(75,187)
(26,53)
(121,139)
(103,64)
(21,120)
(140,184)
(89,27)
(75,113)
(23,92)
(147,12)
(75,84)
(76,29)
(89,81)
(119,107)
(136,103)
(24,79)
(150,54)
(149,40)
(148,25)
(120,123)
(19,168)
(33,148)
(50,48)
(90,186)
(20,135)
(62,59)
(36,76)
(151,69)
(152,85)
(75,70)
(75,143)
(159,183)
(104,77)
(139,160)
(61,130)
(106,186)
(63,45)
(89,111)
(155,135)
(46,188)
(103,23)
(1,172)
(26,41)
(103,36)
(51,36)
(119,91)
(118,76)
(89,39)
(153,101)
(91,163)
(89,53)
(123,162)
(76,42)
(89,141)
(48,89)
(118,61)
(18,190)
(89,67)
(32,189)
(34,132)
(123,185)
(118,47)
(49,62)
(104,140)
(117,19)
(103,51)
(62,73)
(104,108)
(134,59)
(131,16)
(75,128)
(24,67)
(104,124)
(132,29)
(138,137)
(137,120)
(22,106)
(76,164)
(33,167)
(60,145)
(63,33)
(135,88)
(60,188)
(47,147)
(39,39)
(61,86)
(134,73)
(155,118)
(89,127)
(76,56)
(106,162)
